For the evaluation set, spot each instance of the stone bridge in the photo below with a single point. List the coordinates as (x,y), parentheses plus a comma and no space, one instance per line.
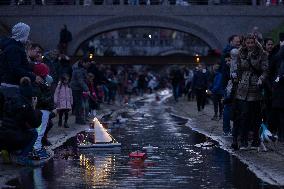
(212,24)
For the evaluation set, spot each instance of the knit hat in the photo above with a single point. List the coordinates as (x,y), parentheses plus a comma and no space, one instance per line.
(41,69)
(20,32)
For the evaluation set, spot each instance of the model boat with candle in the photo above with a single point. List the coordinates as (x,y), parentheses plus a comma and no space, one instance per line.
(97,137)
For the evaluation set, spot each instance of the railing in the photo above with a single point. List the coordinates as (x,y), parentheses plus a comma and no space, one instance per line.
(140,2)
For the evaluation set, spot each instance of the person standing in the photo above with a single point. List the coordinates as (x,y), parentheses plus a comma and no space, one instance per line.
(79,87)
(188,76)
(176,78)
(252,70)
(217,92)
(278,94)
(65,38)
(200,85)
(45,104)
(229,92)
(63,100)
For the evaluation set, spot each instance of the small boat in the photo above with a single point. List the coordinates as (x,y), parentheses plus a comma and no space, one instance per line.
(97,137)
(138,155)
(150,148)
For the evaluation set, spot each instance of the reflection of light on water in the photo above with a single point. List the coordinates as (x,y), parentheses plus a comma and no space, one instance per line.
(97,169)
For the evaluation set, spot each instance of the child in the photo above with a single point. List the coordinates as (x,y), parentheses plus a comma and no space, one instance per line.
(44,104)
(63,99)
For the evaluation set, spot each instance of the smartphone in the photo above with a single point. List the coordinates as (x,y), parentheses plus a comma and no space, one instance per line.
(281,36)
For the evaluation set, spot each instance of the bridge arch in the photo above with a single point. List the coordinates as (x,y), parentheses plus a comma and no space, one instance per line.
(115,23)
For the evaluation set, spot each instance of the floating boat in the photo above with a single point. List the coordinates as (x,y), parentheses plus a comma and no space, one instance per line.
(150,148)
(138,155)
(97,137)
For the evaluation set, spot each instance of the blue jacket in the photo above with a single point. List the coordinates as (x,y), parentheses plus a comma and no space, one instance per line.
(217,86)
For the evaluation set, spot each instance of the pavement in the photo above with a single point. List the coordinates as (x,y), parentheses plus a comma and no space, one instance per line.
(268,166)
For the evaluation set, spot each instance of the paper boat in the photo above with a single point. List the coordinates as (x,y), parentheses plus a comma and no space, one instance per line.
(99,137)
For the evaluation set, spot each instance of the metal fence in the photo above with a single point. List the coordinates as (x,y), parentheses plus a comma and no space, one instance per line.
(140,2)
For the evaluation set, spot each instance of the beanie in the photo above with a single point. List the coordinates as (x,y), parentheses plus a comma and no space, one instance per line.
(20,32)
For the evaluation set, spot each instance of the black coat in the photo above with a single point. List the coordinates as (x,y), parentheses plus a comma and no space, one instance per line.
(14,64)
(44,97)
(278,87)
(200,80)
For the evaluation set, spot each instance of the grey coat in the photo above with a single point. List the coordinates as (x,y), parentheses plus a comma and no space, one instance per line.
(79,79)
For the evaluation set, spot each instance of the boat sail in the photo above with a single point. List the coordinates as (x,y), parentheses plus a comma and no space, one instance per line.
(100,138)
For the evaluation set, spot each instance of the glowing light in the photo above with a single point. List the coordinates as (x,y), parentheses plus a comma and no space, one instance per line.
(91,56)
(197,59)
(150,36)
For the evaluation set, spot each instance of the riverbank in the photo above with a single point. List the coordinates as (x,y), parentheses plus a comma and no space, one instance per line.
(267,166)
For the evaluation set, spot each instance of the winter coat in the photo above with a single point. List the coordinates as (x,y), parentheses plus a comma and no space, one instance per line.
(44,97)
(248,76)
(278,87)
(200,80)
(63,98)
(79,79)
(217,86)
(18,118)
(176,77)
(14,63)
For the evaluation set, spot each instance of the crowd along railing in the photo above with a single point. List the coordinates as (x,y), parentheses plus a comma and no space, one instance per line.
(138,2)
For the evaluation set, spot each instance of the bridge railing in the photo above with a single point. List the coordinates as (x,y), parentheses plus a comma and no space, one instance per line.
(139,2)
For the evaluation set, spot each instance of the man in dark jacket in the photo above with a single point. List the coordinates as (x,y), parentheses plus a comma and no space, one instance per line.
(176,78)
(15,64)
(79,85)
(65,38)
(199,86)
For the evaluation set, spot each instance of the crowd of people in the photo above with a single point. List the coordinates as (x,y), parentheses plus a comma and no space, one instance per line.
(36,86)
(140,2)
(246,88)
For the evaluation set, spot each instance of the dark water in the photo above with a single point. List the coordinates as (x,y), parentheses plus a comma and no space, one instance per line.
(178,163)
